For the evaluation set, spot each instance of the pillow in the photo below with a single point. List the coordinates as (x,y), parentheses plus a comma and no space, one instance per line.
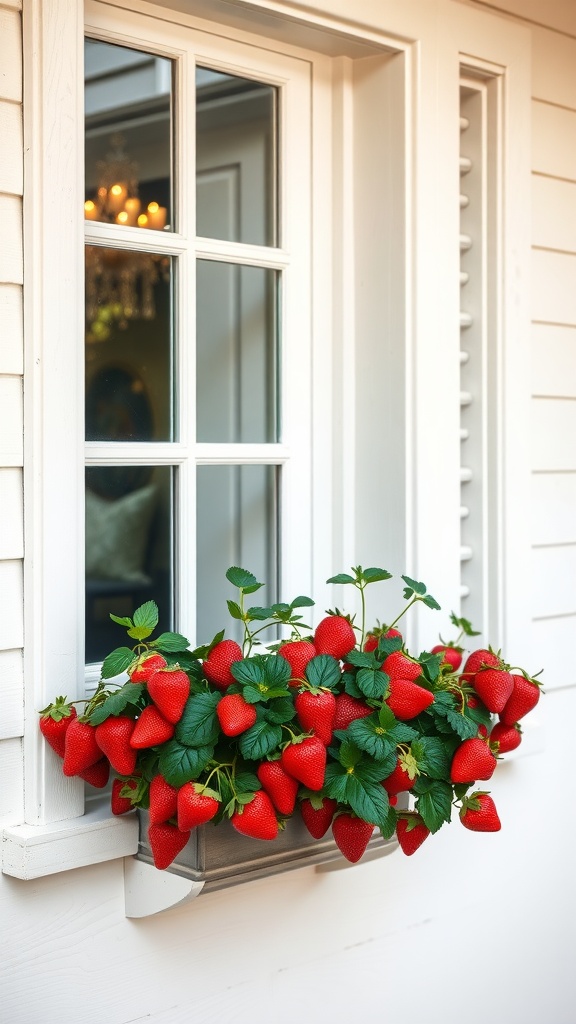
(117,535)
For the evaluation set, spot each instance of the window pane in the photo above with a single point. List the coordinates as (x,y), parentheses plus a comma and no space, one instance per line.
(129,542)
(128,99)
(129,361)
(236,525)
(237,353)
(236,158)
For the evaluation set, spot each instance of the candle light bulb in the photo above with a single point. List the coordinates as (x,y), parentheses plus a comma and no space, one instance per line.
(122,217)
(90,211)
(153,207)
(142,220)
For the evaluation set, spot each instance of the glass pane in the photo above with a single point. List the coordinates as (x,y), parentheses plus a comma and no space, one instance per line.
(129,360)
(129,545)
(128,100)
(237,523)
(235,158)
(237,353)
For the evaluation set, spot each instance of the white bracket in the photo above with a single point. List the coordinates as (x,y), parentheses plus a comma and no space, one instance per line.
(148,891)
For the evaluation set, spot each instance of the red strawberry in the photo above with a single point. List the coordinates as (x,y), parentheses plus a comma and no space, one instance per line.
(121,804)
(217,665)
(306,761)
(163,800)
(399,666)
(452,655)
(141,669)
(54,722)
(97,774)
(81,749)
(334,635)
(494,686)
(407,700)
(169,688)
(524,697)
(472,760)
(297,653)
(392,800)
(235,714)
(477,660)
(411,834)
(508,737)
(256,819)
(372,639)
(318,820)
(280,786)
(195,807)
(348,709)
(166,842)
(351,836)
(151,729)
(315,712)
(399,780)
(479,814)
(113,738)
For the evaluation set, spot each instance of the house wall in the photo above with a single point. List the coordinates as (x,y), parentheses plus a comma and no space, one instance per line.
(472,925)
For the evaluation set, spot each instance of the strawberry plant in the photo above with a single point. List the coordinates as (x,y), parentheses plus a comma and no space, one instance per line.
(329,724)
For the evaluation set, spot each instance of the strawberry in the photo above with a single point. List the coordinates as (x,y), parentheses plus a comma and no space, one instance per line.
(297,653)
(163,800)
(524,697)
(257,818)
(306,761)
(452,655)
(217,665)
(195,806)
(407,700)
(334,635)
(508,737)
(494,686)
(166,842)
(54,722)
(151,729)
(315,711)
(477,660)
(392,799)
(235,714)
(372,639)
(81,750)
(169,688)
(399,780)
(120,804)
(479,814)
(318,819)
(472,760)
(97,774)
(411,833)
(141,669)
(399,666)
(113,738)
(351,836)
(348,709)
(280,786)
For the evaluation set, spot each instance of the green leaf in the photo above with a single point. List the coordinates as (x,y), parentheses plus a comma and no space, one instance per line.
(302,602)
(335,781)
(249,672)
(403,733)
(431,665)
(122,621)
(277,671)
(387,645)
(234,609)
(180,764)
(464,727)
(372,682)
(388,827)
(323,670)
(246,782)
(253,588)
(367,799)
(364,733)
(128,695)
(261,739)
(116,662)
(417,588)
(435,806)
(199,724)
(349,754)
(361,659)
(146,615)
(171,643)
(434,760)
(376,771)
(260,614)
(373,575)
(252,695)
(431,602)
(240,578)
(280,710)
(387,718)
(139,632)
(342,578)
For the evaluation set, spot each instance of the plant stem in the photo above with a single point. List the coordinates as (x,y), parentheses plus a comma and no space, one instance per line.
(409,605)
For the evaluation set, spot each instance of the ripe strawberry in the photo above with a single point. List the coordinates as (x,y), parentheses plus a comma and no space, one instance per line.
(235,714)
(508,737)
(297,653)
(81,749)
(141,669)
(166,842)
(399,780)
(217,665)
(318,820)
(371,642)
(348,709)
(97,774)
(494,686)
(399,666)
(315,712)
(524,697)
(306,761)
(121,804)
(392,800)
(113,738)
(151,729)
(169,689)
(54,722)
(477,660)
(256,819)
(479,814)
(163,800)
(472,760)
(334,635)
(280,786)
(195,807)
(452,655)
(351,836)
(411,836)
(407,700)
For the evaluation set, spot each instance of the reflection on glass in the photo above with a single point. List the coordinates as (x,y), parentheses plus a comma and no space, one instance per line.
(236,525)
(235,158)
(129,542)
(127,98)
(236,353)
(128,346)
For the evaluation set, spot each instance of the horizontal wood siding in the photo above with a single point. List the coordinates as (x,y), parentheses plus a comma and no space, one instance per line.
(11,694)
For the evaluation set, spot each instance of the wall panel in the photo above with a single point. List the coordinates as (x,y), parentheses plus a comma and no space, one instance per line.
(553,361)
(553,576)
(554,213)
(11,514)
(553,286)
(553,134)
(11,410)
(11,790)
(553,508)
(11,694)
(10,54)
(11,605)
(11,329)
(553,63)
(11,266)
(553,434)
(11,165)
(551,639)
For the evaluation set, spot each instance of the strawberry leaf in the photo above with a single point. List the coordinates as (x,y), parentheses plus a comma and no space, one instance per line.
(116,662)
(368,735)
(122,621)
(387,645)
(279,711)
(260,740)
(180,764)
(413,587)
(431,665)
(431,602)
(464,727)
(139,632)
(302,602)
(335,781)
(171,643)
(199,723)
(372,682)
(241,578)
(277,671)
(234,609)
(374,575)
(433,759)
(367,799)
(341,579)
(362,659)
(435,805)
(349,754)
(260,614)
(388,827)
(323,670)
(246,782)
(128,695)
(146,616)
(250,671)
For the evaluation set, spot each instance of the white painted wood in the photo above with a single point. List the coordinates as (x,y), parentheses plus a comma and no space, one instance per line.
(11,694)
(10,54)
(553,59)
(553,429)
(11,170)
(148,891)
(553,297)
(558,14)
(552,504)
(11,514)
(553,361)
(551,639)
(11,329)
(11,421)
(11,790)
(553,575)
(552,150)
(11,249)
(554,213)
(11,605)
